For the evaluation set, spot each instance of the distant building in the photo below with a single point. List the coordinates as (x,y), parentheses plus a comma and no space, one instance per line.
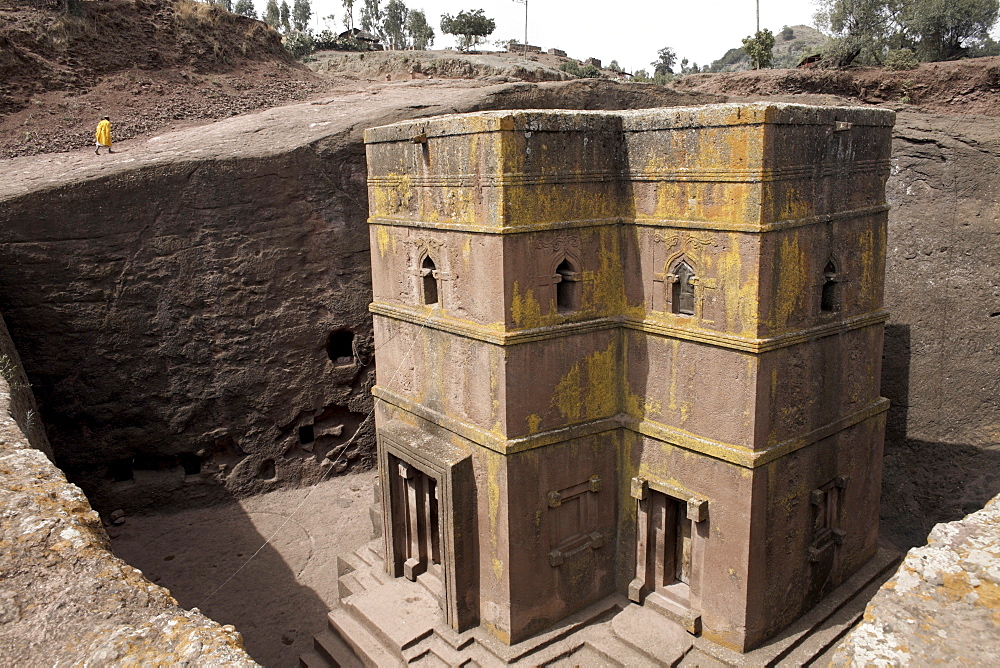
(557,52)
(596,62)
(364,37)
(514,47)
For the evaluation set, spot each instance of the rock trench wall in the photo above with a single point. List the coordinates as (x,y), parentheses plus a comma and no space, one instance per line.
(65,599)
(176,322)
(941,368)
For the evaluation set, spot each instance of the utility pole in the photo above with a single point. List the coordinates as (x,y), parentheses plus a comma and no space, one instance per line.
(524,47)
(758,14)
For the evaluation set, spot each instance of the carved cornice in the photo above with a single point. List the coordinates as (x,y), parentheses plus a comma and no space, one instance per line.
(738,455)
(498,336)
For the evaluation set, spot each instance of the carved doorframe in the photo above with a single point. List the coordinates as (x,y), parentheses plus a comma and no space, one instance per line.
(452,471)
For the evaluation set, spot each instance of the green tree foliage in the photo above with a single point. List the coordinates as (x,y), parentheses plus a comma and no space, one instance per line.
(394,24)
(760,48)
(420,31)
(301,13)
(787,34)
(470,27)
(664,64)
(587,71)
(349,14)
(642,76)
(285,15)
(613,66)
(246,8)
(272,15)
(224,4)
(945,28)
(371,17)
(865,31)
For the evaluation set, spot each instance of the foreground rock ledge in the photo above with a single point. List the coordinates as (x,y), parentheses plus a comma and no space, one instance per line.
(65,599)
(943,604)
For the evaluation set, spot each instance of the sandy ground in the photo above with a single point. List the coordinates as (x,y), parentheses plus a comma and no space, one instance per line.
(279,598)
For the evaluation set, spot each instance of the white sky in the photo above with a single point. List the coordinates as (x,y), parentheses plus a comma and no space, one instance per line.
(630,31)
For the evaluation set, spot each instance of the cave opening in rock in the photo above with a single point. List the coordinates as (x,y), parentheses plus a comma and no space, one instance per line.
(191,464)
(307,434)
(340,347)
(121,470)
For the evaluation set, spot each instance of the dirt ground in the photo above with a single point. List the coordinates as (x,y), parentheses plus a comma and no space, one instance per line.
(266,565)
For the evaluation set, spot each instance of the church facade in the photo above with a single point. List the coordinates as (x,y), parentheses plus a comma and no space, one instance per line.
(631,354)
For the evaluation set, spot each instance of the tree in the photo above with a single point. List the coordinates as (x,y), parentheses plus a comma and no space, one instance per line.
(371,17)
(421,33)
(301,13)
(863,30)
(470,27)
(664,64)
(272,15)
(246,8)
(286,16)
(760,48)
(349,14)
(225,4)
(394,24)
(947,27)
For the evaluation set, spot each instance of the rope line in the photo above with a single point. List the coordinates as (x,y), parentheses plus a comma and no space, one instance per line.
(322,477)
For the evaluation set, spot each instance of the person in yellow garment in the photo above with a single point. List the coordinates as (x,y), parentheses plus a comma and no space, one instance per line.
(103,135)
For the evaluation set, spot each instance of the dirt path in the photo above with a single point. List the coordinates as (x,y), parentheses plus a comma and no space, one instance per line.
(279,598)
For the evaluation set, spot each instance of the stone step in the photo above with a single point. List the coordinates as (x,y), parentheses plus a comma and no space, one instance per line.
(372,553)
(399,613)
(314,660)
(365,645)
(835,627)
(651,635)
(332,649)
(368,578)
(346,564)
(437,646)
(348,585)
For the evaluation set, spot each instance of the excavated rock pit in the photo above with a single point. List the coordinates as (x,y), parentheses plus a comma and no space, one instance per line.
(192,310)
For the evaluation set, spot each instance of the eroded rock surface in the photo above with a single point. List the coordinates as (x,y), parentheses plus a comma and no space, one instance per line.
(65,599)
(942,605)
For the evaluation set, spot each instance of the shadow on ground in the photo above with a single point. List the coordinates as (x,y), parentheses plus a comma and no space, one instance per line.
(266,565)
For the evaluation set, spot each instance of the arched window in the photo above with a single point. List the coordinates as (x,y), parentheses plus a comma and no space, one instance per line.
(682,289)
(429,280)
(567,288)
(828,302)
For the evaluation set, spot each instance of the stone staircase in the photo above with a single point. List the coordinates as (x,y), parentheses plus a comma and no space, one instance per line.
(384,621)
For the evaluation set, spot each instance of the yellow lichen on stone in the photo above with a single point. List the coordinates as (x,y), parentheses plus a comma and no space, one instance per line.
(386,241)
(533,421)
(568,394)
(791,266)
(524,308)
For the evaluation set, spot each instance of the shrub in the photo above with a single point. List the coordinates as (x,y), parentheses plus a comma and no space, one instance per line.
(583,71)
(299,43)
(902,59)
